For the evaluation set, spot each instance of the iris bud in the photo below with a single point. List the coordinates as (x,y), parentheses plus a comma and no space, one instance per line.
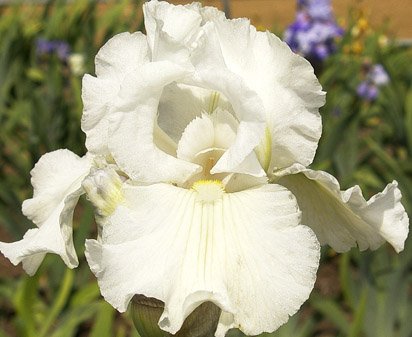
(146,313)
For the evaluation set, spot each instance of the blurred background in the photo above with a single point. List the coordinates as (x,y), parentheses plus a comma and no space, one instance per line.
(361,52)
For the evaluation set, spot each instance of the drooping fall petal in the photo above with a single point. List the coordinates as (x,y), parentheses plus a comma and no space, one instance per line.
(344,219)
(246,252)
(56,179)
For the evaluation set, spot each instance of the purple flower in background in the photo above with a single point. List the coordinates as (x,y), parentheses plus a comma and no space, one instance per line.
(367,90)
(62,50)
(44,47)
(320,10)
(376,77)
(314,31)
(48,47)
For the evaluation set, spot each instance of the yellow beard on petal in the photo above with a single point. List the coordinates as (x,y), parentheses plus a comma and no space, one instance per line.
(208,190)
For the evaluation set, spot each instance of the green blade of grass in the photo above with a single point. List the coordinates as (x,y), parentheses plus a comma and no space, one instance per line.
(331,311)
(59,302)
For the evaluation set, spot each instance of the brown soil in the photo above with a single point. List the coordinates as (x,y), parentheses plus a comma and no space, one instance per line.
(278,14)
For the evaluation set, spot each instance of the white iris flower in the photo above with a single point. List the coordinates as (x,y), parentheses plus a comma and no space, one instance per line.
(199,134)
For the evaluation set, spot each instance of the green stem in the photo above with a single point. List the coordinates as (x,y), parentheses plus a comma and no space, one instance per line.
(59,303)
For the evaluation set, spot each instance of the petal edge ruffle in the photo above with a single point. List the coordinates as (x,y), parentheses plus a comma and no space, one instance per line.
(56,179)
(188,252)
(344,219)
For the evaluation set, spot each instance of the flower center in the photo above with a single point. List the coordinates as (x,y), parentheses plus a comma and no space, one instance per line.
(208,190)
(208,130)
(205,140)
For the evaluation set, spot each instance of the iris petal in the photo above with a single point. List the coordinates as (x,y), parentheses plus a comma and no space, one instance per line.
(121,55)
(344,219)
(56,179)
(132,127)
(244,251)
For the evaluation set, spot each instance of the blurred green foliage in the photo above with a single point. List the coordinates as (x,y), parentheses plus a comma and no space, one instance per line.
(366,142)
(40,111)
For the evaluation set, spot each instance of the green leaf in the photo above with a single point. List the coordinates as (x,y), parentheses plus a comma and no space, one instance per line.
(70,321)
(87,294)
(59,302)
(392,169)
(357,324)
(408,119)
(103,325)
(24,302)
(331,311)
(346,279)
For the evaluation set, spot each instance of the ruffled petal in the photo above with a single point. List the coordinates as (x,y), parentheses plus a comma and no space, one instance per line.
(56,175)
(235,38)
(212,73)
(97,95)
(245,252)
(292,97)
(205,141)
(54,236)
(132,127)
(215,131)
(56,179)
(344,219)
(171,30)
(180,104)
(121,55)
(180,23)
(225,128)
(198,136)
(285,83)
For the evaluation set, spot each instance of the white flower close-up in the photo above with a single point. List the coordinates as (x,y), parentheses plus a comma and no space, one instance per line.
(199,137)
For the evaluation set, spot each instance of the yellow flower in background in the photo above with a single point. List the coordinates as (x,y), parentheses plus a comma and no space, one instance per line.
(357,47)
(383,41)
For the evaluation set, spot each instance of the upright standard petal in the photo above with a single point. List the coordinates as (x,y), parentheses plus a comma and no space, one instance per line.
(344,219)
(292,97)
(121,55)
(284,81)
(235,38)
(132,127)
(180,23)
(211,72)
(56,179)
(216,131)
(244,251)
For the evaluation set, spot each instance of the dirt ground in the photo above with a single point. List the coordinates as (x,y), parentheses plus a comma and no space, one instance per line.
(279,13)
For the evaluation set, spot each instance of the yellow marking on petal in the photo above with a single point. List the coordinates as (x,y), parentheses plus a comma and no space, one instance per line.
(104,189)
(208,190)
(213,102)
(264,150)
(114,198)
